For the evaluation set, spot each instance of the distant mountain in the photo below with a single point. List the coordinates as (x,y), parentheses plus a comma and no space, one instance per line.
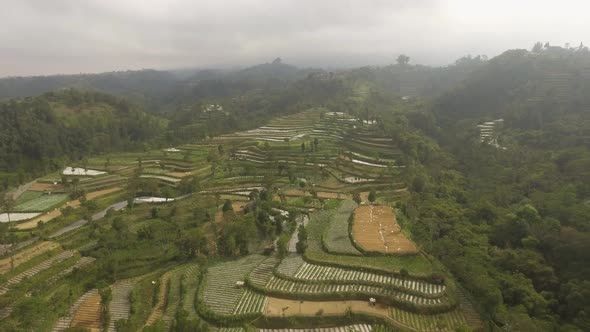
(143,82)
(547,84)
(274,71)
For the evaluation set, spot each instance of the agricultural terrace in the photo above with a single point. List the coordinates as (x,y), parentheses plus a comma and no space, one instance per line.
(88,314)
(336,239)
(41,203)
(375,229)
(417,265)
(222,295)
(295,268)
(311,163)
(309,285)
(6,264)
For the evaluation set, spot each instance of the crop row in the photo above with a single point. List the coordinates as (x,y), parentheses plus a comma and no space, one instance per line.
(295,267)
(250,302)
(284,285)
(189,290)
(347,328)
(81,263)
(263,272)
(36,269)
(290,265)
(449,321)
(41,203)
(220,292)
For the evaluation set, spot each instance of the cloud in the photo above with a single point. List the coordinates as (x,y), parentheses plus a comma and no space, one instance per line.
(71,36)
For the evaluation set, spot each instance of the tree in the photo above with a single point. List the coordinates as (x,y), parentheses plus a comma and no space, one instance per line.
(357,197)
(106,294)
(167,192)
(372,196)
(404,275)
(403,60)
(75,181)
(418,184)
(301,239)
(227,206)
(538,47)
(282,245)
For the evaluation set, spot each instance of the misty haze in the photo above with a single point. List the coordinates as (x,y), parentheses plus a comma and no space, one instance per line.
(294,166)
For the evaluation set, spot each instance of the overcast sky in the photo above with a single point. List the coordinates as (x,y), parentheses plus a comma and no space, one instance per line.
(73,36)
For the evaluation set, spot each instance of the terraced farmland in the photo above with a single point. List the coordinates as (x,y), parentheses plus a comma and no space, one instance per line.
(335,274)
(420,322)
(34,270)
(80,264)
(160,305)
(65,322)
(336,238)
(296,268)
(6,264)
(190,285)
(41,203)
(327,290)
(220,293)
(120,307)
(375,229)
(174,295)
(312,282)
(346,328)
(88,313)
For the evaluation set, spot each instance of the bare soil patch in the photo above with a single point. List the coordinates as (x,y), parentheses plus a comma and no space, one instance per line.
(88,315)
(284,308)
(321,194)
(37,186)
(376,229)
(25,255)
(238,210)
(180,174)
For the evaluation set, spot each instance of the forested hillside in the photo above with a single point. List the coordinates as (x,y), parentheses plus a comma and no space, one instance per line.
(513,223)
(39,134)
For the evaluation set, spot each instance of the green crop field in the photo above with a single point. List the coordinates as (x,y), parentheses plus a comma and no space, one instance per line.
(41,203)
(220,293)
(336,238)
(417,265)
(28,196)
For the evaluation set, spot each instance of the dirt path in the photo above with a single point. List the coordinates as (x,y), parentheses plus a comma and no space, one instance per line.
(56,212)
(21,189)
(161,301)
